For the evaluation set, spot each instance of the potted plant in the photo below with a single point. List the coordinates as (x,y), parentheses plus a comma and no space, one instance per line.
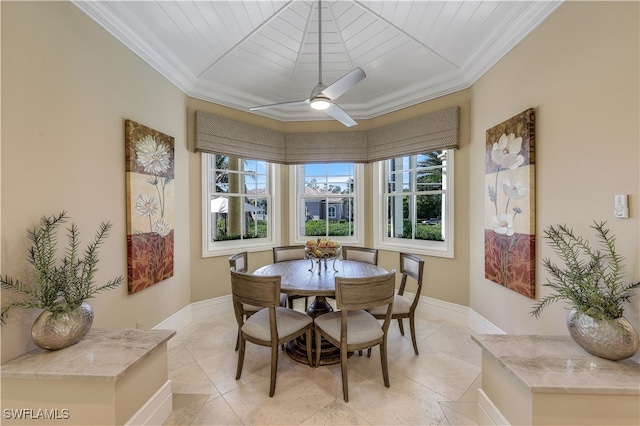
(61,285)
(591,281)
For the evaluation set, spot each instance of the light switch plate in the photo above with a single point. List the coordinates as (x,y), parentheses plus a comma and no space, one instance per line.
(620,206)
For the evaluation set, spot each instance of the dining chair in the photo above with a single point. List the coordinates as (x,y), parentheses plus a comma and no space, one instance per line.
(360,254)
(238,262)
(353,328)
(411,266)
(285,253)
(272,326)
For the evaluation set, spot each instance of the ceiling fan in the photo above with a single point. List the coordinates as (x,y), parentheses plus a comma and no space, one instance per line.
(322,97)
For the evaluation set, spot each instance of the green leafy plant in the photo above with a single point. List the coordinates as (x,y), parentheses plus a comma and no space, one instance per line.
(60,284)
(591,279)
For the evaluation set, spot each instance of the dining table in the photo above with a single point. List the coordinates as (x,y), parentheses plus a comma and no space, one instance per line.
(316,277)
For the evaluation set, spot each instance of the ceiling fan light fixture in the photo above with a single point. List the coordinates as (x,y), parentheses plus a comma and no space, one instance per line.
(320,103)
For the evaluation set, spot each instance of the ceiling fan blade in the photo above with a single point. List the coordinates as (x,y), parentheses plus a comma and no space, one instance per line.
(280,105)
(344,83)
(338,113)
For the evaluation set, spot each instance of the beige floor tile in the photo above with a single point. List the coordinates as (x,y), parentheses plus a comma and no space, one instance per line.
(296,399)
(191,378)
(439,386)
(405,402)
(442,373)
(216,411)
(336,413)
(185,408)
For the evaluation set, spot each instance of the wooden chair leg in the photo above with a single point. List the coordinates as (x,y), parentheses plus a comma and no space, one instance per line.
(308,339)
(345,376)
(240,358)
(237,341)
(274,369)
(318,347)
(412,325)
(400,325)
(383,361)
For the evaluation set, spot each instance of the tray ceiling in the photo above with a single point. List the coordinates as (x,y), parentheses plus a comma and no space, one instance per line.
(246,53)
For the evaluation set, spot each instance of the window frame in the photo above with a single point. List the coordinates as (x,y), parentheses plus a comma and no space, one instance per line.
(228,247)
(358,199)
(380,220)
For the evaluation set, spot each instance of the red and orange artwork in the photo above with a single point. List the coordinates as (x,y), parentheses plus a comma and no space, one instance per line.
(150,205)
(509,209)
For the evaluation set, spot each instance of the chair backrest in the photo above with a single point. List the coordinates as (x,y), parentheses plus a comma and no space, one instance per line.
(360,254)
(256,290)
(362,293)
(238,262)
(284,253)
(411,266)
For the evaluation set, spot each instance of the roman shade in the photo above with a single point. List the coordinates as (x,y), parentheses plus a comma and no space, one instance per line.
(225,136)
(326,147)
(426,133)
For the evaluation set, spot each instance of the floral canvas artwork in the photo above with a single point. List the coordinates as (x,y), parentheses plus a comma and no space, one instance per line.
(509,210)
(150,205)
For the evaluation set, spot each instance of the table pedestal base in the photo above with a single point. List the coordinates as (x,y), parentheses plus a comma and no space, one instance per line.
(297,348)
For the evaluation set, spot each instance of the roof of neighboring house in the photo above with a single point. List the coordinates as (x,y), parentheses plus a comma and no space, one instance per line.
(316,192)
(331,196)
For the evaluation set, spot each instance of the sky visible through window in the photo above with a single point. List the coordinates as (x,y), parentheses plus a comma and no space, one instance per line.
(338,174)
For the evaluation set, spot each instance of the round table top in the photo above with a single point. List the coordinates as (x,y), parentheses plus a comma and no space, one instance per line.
(300,277)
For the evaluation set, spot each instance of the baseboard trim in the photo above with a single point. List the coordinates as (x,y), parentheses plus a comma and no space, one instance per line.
(156,410)
(205,308)
(458,314)
(177,321)
(487,412)
(481,325)
(441,309)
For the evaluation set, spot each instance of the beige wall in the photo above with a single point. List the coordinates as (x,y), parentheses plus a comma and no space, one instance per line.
(67,87)
(579,70)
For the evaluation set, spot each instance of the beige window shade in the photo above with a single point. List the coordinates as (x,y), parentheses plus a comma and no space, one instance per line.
(326,147)
(434,131)
(224,136)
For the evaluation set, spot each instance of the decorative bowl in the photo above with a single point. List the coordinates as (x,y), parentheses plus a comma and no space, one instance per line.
(322,252)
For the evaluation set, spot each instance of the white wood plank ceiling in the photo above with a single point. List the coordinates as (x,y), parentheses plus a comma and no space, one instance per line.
(245,53)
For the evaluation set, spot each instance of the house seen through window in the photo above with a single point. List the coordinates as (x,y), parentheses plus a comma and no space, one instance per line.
(327,201)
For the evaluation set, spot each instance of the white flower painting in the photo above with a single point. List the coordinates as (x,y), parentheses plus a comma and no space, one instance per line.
(510,204)
(150,200)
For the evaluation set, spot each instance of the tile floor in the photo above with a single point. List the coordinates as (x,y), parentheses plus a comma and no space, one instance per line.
(437,387)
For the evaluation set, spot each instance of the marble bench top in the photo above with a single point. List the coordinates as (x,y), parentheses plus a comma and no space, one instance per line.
(556,364)
(103,355)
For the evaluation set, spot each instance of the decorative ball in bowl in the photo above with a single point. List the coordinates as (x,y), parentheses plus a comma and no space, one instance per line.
(322,249)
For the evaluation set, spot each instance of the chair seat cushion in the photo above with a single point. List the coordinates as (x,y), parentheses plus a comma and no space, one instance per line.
(288,321)
(362,327)
(401,305)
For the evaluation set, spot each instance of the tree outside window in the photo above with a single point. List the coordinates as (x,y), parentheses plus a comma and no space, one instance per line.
(239,198)
(416,188)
